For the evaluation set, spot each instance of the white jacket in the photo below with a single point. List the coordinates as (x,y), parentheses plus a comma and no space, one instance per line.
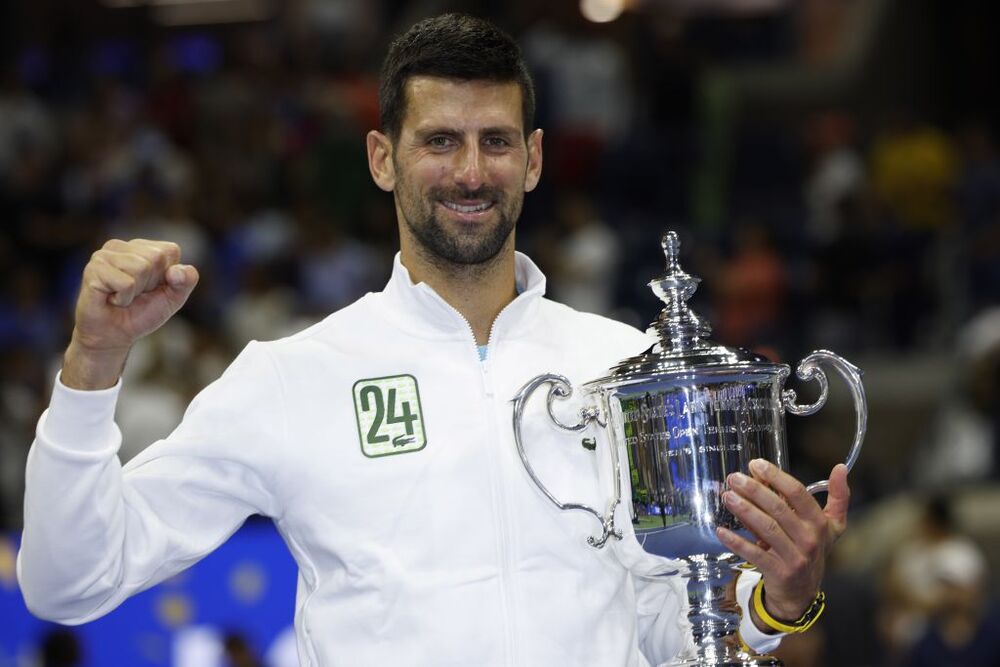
(382,448)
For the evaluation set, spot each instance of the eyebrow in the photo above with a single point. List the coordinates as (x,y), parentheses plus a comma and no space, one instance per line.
(503,130)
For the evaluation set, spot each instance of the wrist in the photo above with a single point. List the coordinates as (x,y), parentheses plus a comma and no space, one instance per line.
(770,623)
(88,369)
(780,609)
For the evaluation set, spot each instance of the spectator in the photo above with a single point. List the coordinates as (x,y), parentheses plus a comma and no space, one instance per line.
(933,596)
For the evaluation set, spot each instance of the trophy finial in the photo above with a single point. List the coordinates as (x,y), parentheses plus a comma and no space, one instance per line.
(671,245)
(679,327)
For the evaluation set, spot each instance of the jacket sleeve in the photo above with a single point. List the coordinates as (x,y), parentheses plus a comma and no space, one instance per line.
(96,533)
(663,627)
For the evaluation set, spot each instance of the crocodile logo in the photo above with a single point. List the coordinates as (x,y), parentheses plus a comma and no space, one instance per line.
(402,440)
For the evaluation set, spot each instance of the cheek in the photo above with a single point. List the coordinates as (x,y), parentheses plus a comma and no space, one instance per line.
(415,180)
(428,174)
(505,174)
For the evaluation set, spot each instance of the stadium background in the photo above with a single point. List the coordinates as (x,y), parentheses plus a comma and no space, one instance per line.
(830,164)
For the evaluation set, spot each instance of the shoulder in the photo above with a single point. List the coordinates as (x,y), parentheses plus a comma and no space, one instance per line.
(586,335)
(337,339)
(331,326)
(590,325)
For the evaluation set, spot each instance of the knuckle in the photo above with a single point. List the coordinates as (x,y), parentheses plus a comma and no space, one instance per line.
(779,510)
(166,253)
(771,526)
(797,490)
(799,564)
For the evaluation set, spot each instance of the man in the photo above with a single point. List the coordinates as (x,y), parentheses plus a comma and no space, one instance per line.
(379,440)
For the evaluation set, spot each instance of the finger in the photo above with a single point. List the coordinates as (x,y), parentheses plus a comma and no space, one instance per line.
(800,529)
(766,561)
(147,276)
(181,280)
(767,524)
(164,253)
(791,489)
(161,255)
(180,276)
(838,498)
(119,286)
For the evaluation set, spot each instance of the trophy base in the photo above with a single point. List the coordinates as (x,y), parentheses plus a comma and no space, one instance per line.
(715,616)
(725,652)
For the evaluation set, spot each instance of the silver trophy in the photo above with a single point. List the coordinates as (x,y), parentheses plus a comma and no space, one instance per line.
(688,412)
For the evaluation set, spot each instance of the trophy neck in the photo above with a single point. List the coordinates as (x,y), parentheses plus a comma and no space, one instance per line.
(679,327)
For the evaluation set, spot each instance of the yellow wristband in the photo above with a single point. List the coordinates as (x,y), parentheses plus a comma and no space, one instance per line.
(804,622)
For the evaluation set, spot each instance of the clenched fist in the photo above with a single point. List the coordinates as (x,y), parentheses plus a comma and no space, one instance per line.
(129,289)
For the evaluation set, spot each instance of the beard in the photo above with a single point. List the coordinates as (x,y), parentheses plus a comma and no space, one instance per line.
(470,245)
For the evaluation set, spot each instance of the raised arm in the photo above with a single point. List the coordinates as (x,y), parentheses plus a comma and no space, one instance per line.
(95,533)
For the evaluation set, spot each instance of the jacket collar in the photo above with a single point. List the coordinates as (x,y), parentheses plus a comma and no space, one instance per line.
(419,310)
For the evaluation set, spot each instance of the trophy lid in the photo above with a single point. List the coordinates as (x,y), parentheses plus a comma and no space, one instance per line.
(684,344)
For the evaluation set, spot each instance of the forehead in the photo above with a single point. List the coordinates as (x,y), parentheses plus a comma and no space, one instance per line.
(461,105)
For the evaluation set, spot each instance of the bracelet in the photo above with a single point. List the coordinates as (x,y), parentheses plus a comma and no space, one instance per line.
(803,623)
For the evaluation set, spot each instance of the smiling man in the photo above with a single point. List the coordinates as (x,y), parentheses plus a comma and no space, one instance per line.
(458,178)
(379,440)
(458,161)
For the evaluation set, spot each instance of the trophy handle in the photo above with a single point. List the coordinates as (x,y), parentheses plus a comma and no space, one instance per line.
(561,389)
(809,369)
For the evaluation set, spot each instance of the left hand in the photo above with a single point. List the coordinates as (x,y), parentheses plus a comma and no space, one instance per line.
(795,535)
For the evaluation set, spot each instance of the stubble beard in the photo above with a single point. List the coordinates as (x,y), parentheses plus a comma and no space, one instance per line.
(455,253)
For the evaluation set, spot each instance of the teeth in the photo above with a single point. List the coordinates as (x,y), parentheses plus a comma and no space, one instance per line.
(467,209)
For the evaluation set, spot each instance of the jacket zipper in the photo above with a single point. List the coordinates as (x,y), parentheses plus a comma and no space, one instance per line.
(499,498)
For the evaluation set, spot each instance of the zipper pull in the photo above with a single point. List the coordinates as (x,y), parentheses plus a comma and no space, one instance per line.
(487,385)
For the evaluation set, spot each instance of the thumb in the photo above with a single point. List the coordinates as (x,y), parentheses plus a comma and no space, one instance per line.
(181,280)
(838,496)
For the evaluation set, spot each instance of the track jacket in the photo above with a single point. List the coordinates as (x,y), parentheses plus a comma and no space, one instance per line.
(381,446)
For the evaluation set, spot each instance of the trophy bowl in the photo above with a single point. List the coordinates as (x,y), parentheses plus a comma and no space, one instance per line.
(684,415)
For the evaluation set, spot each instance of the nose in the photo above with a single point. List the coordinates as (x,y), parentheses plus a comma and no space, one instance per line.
(469,167)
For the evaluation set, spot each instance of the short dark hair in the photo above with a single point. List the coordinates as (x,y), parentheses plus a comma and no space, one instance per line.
(452,46)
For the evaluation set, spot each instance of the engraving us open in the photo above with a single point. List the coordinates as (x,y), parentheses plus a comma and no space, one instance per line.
(744,427)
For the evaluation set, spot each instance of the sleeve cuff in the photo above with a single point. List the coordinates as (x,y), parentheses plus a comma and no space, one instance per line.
(760,642)
(81,422)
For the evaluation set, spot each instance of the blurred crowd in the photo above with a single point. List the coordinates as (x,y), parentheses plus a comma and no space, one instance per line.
(873,234)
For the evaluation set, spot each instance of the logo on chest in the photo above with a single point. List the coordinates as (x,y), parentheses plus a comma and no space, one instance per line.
(390,420)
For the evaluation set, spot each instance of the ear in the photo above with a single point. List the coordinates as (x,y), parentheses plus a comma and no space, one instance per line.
(534,161)
(380,160)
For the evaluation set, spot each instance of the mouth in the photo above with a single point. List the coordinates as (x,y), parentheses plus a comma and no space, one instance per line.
(468,208)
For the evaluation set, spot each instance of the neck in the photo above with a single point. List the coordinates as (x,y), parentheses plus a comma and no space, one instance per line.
(478,291)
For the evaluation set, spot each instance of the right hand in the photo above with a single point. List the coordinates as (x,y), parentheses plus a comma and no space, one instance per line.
(129,289)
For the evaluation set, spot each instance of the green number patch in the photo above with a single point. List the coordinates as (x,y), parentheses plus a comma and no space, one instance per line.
(389,417)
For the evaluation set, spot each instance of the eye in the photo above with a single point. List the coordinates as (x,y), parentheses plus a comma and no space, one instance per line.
(496,142)
(440,141)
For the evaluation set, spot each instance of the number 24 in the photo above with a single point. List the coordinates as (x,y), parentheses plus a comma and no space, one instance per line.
(406,418)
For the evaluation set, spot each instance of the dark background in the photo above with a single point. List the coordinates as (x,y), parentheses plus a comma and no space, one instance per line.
(830,166)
